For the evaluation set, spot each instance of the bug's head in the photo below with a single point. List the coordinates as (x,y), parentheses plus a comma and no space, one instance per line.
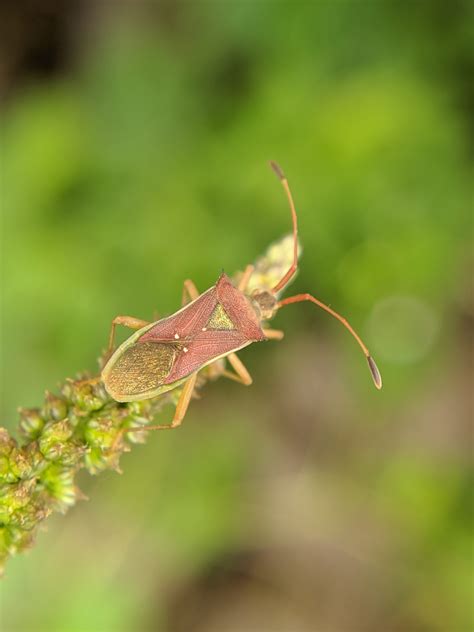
(265,302)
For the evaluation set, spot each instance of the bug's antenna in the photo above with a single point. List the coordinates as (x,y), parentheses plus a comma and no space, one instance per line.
(298,298)
(294,266)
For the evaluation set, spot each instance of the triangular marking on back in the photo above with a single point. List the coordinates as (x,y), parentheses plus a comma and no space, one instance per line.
(220,319)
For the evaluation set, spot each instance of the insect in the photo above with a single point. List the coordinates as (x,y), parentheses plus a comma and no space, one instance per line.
(169,352)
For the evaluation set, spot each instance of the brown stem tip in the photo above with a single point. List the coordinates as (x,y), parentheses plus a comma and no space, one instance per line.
(278,170)
(374,372)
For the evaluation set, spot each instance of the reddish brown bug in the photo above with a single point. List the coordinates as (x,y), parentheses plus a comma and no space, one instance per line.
(168,353)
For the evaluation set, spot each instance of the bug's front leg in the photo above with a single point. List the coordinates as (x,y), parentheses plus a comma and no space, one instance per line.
(244,281)
(126,321)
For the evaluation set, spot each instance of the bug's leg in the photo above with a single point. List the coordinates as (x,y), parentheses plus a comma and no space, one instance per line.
(294,266)
(183,402)
(274,334)
(181,408)
(190,292)
(126,321)
(245,278)
(241,374)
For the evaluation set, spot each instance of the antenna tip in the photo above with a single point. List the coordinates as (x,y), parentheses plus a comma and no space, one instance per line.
(277,169)
(374,371)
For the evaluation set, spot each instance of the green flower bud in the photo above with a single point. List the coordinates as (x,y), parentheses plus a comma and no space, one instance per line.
(102,432)
(85,395)
(71,454)
(30,515)
(58,483)
(7,445)
(16,495)
(13,540)
(19,464)
(35,458)
(54,407)
(31,422)
(53,439)
(5,514)
(97,460)
(5,469)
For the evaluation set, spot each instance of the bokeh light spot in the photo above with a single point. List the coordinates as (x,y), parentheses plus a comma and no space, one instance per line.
(403,328)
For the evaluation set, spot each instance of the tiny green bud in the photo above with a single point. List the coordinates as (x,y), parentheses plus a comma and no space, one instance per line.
(58,431)
(4,467)
(7,443)
(54,407)
(35,458)
(71,453)
(19,464)
(31,422)
(101,432)
(53,439)
(28,516)
(97,460)
(58,483)
(85,396)
(16,495)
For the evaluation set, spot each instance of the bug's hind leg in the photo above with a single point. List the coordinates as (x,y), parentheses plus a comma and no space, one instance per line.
(190,292)
(181,408)
(241,374)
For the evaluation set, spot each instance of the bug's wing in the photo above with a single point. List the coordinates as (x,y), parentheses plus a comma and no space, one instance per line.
(205,347)
(139,368)
(186,321)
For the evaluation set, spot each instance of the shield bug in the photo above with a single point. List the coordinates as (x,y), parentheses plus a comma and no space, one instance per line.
(169,352)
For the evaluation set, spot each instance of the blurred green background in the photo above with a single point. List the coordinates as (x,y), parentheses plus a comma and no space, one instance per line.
(135,140)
